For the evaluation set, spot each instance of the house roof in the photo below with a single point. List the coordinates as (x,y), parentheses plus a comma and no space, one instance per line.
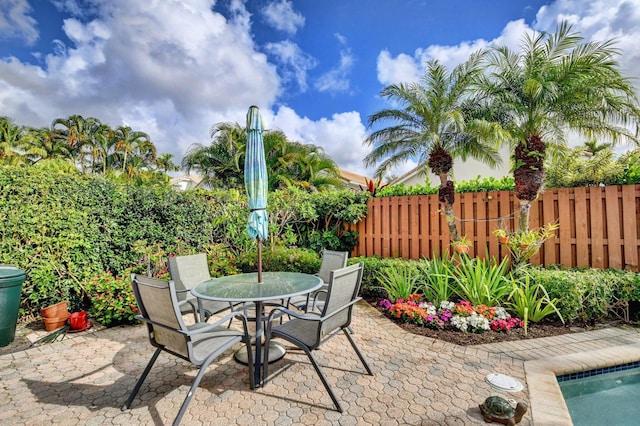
(353,178)
(185,181)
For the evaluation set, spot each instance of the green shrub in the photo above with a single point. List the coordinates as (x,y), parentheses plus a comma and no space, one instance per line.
(373,267)
(279,258)
(589,295)
(112,299)
(561,285)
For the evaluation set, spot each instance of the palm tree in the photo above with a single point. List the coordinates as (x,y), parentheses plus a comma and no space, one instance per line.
(592,147)
(130,143)
(555,84)
(317,170)
(45,144)
(296,164)
(219,163)
(165,163)
(78,134)
(11,139)
(431,125)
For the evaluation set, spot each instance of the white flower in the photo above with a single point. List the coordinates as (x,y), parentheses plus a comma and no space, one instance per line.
(431,310)
(447,305)
(501,313)
(478,322)
(460,323)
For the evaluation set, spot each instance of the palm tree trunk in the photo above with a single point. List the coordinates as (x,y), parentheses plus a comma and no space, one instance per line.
(523,221)
(446,195)
(529,175)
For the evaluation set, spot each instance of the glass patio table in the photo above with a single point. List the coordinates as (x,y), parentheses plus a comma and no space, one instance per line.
(246,288)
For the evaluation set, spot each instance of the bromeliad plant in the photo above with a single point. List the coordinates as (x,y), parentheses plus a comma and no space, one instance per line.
(480,281)
(437,273)
(523,245)
(531,301)
(398,282)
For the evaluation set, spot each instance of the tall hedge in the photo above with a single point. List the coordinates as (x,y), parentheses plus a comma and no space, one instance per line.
(64,228)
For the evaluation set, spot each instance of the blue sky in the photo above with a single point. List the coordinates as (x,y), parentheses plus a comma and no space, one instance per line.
(315,68)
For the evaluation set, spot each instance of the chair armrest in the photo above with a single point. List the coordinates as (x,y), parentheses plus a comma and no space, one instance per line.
(204,329)
(315,297)
(218,323)
(341,308)
(282,310)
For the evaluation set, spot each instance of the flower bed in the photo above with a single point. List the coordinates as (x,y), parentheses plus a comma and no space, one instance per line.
(461,316)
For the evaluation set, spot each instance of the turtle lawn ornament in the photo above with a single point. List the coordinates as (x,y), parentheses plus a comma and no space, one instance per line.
(498,409)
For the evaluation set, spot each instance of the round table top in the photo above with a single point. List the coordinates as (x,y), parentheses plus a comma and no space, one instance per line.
(245,287)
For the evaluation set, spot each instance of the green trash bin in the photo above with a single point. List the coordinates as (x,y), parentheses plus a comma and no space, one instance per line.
(11,279)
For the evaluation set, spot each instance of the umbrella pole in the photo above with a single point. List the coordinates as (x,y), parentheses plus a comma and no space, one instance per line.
(259,259)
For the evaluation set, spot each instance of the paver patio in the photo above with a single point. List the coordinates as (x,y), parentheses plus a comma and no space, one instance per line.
(86,378)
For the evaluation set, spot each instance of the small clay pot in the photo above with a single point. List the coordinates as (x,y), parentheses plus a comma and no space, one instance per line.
(51,324)
(58,310)
(460,248)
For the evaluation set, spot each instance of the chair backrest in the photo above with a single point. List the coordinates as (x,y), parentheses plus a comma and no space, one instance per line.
(158,302)
(188,271)
(344,285)
(332,260)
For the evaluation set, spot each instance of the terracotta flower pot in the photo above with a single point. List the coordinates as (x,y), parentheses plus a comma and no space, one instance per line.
(51,324)
(59,310)
(462,248)
(504,240)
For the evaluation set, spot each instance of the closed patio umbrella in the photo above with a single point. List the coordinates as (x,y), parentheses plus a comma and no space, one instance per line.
(256,182)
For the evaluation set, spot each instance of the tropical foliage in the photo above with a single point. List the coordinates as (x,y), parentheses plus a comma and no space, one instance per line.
(88,145)
(583,167)
(556,83)
(221,163)
(65,228)
(431,125)
(531,302)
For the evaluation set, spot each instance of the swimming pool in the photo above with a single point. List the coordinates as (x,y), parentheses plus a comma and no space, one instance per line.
(604,396)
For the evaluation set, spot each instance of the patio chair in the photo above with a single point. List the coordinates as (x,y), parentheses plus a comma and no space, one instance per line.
(199,343)
(310,330)
(186,272)
(331,260)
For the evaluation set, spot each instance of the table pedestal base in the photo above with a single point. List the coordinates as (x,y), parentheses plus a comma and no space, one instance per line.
(276,352)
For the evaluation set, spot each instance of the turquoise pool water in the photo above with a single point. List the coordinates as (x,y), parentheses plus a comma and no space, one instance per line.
(606,396)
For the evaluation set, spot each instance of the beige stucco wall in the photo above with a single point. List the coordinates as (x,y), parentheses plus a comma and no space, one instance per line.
(462,170)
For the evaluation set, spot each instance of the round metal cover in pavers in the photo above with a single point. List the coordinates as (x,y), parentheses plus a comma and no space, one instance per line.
(503,383)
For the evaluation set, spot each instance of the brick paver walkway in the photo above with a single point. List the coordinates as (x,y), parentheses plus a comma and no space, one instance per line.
(86,378)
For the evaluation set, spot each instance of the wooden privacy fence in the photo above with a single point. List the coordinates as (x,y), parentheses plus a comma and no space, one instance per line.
(598,225)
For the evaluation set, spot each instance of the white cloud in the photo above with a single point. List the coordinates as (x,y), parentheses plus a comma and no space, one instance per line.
(600,20)
(406,68)
(403,68)
(337,79)
(281,16)
(294,62)
(15,21)
(341,136)
(136,64)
